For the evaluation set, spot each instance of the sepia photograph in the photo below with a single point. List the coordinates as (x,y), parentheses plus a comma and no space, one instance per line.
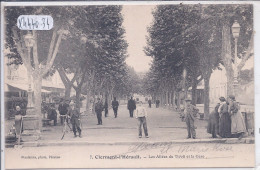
(163,85)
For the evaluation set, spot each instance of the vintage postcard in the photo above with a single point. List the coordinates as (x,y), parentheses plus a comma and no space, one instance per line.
(128,84)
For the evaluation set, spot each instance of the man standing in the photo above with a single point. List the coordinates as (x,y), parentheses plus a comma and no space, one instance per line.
(190,112)
(150,103)
(157,103)
(52,114)
(98,109)
(131,106)
(75,119)
(106,108)
(141,115)
(115,105)
(63,109)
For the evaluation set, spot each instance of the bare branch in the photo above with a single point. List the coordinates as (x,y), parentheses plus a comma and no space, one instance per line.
(24,57)
(54,34)
(49,65)
(248,53)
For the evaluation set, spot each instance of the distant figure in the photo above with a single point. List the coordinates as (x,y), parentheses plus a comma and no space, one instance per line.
(190,114)
(75,119)
(131,106)
(63,109)
(52,114)
(213,123)
(141,115)
(106,108)
(238,127)
(157,102)
(150,103)
(98,109)
(18,123)
(115,105)
(224,120)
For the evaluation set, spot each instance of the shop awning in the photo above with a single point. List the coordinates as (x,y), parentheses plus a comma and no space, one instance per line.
(20,87)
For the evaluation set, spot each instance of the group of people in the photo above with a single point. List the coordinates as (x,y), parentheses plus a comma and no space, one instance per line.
(157,103)
(226,120)
(140,113)
(67,111)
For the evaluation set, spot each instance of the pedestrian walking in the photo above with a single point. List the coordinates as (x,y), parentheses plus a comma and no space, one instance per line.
(150,103)
(74,115)
(238,127)
(63,109)
(213,123)
(131,106)
(98,109)
(141,115)
(52,114)
(190,112)
(115,105)
(224,119)
(106,108)
(157,102)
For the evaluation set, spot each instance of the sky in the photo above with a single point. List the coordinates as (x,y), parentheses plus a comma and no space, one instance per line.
(136,21)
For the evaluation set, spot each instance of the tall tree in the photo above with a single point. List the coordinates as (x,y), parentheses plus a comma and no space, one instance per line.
(44,49)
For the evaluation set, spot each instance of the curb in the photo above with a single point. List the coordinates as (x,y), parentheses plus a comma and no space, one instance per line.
(183,141)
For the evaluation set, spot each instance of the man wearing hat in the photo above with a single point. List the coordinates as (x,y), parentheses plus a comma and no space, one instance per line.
(190,112)
(98,109)
(75,119)
(63,109)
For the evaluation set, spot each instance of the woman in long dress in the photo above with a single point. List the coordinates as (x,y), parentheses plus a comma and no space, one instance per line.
(238,126)
(224,120)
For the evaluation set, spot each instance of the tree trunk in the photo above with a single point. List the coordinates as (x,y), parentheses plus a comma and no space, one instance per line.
(37,83)
(206,96)
(67,91)
(167,98)
(78,91)
(173,99)
(193,92)
(227,57)
(230,81)
(88,101)
(178,101)
(170,99)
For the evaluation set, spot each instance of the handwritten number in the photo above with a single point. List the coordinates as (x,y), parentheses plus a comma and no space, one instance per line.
(28,22)
(48,23)
(43,22)
(36,24)
(20,22)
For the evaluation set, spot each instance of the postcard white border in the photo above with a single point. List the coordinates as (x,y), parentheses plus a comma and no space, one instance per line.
(68,3)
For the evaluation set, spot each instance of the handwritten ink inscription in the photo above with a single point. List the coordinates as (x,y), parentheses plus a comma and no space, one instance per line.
(35,22)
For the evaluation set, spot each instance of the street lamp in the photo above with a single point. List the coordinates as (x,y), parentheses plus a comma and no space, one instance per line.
(29,42)
(235,32)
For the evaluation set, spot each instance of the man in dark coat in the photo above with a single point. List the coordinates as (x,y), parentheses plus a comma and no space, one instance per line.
(63,109)
(75,119)
(115,105)
(98,109)
(52,114)
(106,108)
(157,103)
(150,103)
(131,106)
